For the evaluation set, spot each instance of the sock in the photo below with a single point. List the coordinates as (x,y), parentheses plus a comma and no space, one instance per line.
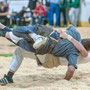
(14,38)
(10,74)
(35,36)
(88,57)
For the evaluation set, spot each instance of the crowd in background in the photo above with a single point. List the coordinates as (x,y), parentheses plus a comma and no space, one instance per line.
(3,13)
(43,12)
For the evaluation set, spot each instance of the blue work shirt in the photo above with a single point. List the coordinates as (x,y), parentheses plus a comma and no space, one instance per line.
(64,48)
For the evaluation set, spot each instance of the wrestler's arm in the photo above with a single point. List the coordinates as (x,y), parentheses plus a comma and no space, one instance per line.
(80,47)
(70,72)
(77,44)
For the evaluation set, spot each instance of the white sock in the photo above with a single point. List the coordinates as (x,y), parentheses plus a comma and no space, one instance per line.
(34,36)
(14,38)
(88,57)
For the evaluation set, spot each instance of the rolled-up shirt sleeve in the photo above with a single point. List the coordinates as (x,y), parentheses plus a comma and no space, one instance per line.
(71,30)
(72,60)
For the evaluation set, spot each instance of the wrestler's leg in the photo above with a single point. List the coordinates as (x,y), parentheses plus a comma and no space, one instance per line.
(20,42)
(28,34)
(17,59)
(7,32)
(21,32)
(4,30)
(25,44)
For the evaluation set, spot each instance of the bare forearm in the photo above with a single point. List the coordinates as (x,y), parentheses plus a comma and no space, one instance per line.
(77,44)
(69,72)
(68,75)
(80,47)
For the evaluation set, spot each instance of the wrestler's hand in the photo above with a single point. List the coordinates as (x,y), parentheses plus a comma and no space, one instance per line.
(63,34)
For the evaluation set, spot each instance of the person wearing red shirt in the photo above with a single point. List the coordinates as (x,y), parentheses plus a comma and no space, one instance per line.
(38,14)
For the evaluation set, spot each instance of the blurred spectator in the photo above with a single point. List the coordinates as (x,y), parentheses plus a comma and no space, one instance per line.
(42,1)
(74,11)
(32,4)
(54,8)
(89,20)
(3,13)
(22,12)
(5,1)
(63,6)
(21,16)
(39,13)
(83,1)
(47,3)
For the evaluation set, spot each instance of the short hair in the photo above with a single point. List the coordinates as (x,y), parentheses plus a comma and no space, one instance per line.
(38,1)
(1,3)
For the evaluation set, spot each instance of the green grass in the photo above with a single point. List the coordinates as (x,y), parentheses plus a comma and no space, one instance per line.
(5,55)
